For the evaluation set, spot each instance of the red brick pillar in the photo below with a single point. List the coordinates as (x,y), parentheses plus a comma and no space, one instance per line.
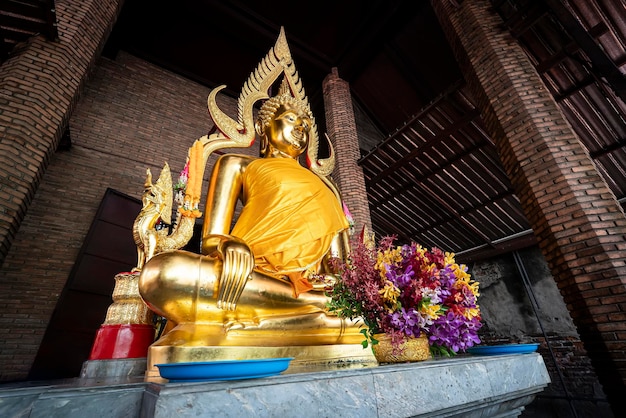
(579,224)
(341,127)
(39,86)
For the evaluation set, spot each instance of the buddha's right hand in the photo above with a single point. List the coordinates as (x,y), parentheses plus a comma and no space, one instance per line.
(237,264)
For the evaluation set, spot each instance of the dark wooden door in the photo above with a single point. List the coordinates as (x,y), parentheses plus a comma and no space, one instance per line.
(108,249)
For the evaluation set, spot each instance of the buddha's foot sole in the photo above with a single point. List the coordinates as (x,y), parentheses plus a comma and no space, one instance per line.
(305,358)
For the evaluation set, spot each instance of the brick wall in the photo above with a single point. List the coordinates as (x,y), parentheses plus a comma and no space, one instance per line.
(131,116)
(341,126)
(578,222)
(39,86)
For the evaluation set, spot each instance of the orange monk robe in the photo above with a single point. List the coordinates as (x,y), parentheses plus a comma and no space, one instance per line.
(289,218)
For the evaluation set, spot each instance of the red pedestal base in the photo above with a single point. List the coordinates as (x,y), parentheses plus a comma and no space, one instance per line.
(122,341)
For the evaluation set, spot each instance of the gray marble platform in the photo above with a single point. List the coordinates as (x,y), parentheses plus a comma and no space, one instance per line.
(465,386)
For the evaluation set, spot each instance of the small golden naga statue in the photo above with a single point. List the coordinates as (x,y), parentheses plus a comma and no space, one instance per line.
(156,208)
(257,291)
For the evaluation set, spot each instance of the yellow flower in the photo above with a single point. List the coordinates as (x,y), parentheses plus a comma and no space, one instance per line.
(474,287)
(431,311)
(460,273)
(464,279)
(470,313)
(390,294)
(387,257)
(430,268)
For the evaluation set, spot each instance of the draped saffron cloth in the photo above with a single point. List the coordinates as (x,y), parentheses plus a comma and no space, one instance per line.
(289,218)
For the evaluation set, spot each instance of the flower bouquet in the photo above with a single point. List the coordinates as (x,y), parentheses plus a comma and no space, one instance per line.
(405,292)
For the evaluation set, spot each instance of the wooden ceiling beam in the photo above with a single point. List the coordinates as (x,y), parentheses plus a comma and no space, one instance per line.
(601,63)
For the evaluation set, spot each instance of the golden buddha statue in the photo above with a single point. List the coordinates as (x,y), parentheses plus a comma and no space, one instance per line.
(257,291)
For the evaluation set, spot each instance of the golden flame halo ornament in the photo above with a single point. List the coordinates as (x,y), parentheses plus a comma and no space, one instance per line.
(241,133)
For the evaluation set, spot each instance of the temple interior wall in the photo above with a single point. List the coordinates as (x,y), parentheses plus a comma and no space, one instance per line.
(133,115)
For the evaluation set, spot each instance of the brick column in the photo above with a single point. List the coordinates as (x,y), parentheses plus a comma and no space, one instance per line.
(341,127)
(578,222)
(39,86)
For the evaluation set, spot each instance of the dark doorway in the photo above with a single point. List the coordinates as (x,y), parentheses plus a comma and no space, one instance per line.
(108,250)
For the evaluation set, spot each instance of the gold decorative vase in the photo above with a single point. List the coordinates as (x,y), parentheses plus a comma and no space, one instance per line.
(413,349)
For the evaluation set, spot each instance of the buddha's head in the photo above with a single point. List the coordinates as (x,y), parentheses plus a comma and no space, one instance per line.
(284,124)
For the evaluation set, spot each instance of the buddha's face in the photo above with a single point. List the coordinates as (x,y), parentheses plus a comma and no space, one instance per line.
(288,131)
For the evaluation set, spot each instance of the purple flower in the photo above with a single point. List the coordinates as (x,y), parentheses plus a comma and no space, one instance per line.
(401,280)
(408,322)
(455,332)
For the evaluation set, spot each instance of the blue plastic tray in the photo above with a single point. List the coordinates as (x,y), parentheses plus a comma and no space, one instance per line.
(494,350)
(223,370)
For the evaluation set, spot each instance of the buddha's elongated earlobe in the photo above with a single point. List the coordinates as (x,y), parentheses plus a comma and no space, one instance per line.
(264,143)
